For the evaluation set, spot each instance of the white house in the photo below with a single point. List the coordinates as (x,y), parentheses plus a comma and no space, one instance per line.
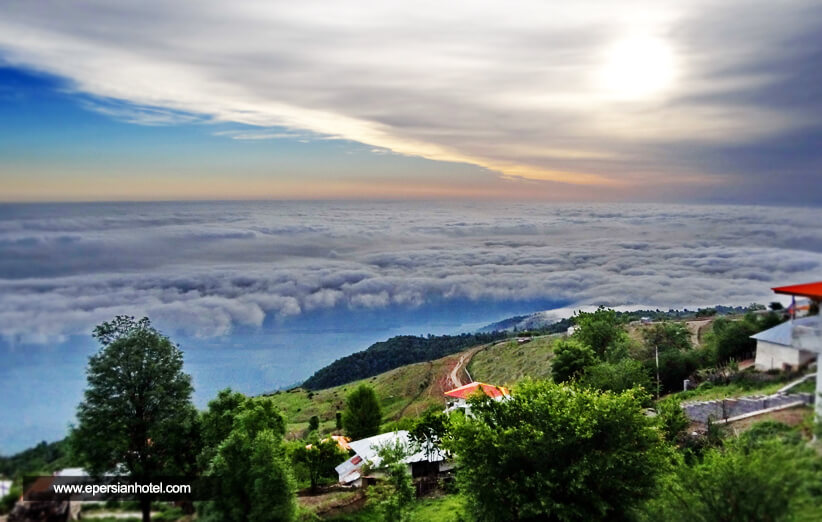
(419,463)
(458,397)
(801,335)
(775,347)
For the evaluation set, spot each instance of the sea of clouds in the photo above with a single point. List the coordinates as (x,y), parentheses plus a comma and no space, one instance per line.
(205,269)
(260,295)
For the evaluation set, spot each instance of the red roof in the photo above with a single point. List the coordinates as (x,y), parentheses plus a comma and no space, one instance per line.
(463,392)
(811,290)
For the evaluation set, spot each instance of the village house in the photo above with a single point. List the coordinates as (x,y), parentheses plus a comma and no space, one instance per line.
(796,342)
(420,463)
(458,397)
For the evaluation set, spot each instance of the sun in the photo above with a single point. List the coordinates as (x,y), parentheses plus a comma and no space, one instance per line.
(637,68)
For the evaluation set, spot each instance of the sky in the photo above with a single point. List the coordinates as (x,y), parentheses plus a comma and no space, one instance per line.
(687,101)
(261,294)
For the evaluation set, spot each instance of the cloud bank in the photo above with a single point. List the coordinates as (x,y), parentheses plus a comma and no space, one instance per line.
(564,92)
(208,269)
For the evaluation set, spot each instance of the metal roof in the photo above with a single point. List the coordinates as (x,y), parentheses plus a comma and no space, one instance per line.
(797,334)
(810,290)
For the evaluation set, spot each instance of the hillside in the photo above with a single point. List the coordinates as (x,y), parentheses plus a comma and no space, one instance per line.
(508,362)
(393,353)
(403,392)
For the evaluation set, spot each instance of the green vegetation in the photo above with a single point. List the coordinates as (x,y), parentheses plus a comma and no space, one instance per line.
(393,353)
(571,360)
(395,493)
(137,409)
(316,460)
(768,480)
(554,452)
(744,383)
(403,393)
(362,416)
(250,464)
(508,362)
(443,508)
(45,457)
(602,331)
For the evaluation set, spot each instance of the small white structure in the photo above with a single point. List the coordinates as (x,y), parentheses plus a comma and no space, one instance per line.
(776,348)
(5,487)
(571,330)
(366,450)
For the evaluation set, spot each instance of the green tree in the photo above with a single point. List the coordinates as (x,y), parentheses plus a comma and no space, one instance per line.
(599,330)
(429,430)
(617,377)
(396,493)
(362,415)
(318,459)
(671,418)
(217,421)
(557,453)
(571,358)
(255,482)
(137,410)
(338,420)
(772,481)
(666,336)
(314,423)
(733,338)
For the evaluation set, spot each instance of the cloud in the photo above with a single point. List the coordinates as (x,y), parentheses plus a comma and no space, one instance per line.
(515,88)
(207,270)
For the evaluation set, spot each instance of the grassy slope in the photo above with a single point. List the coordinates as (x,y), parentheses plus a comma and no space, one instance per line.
(403,392)
(507,363)
(444,508)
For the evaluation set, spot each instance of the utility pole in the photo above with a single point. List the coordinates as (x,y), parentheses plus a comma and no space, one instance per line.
(656,352)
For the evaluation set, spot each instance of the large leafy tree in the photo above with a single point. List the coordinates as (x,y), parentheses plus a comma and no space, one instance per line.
(362,415)
(557,453)
(666,336)
(601,330)
(571,358)
(136,413)
(217,421)
(255,482)
(318,459)
(617,377)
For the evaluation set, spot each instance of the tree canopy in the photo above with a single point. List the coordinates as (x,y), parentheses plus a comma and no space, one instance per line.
(362,415)
(571,358)
(255,480)
(558,453)
(136,412)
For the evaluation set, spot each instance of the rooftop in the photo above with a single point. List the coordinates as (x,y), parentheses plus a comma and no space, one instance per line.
(463,392)
(810,290)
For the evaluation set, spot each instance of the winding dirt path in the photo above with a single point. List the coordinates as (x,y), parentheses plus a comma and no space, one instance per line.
(462,364)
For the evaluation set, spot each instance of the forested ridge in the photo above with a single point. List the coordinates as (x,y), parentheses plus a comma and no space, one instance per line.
(393,353)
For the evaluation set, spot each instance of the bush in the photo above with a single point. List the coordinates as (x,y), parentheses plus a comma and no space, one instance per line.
(772,481)
(571,358)
(671,419)
(557,452)
(617,377)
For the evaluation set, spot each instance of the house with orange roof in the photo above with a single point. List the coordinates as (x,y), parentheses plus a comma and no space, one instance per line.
(458,397)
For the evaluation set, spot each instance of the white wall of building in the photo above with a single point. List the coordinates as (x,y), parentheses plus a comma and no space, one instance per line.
(771,356)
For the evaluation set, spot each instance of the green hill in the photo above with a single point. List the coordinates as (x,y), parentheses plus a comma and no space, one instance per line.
(393,353)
